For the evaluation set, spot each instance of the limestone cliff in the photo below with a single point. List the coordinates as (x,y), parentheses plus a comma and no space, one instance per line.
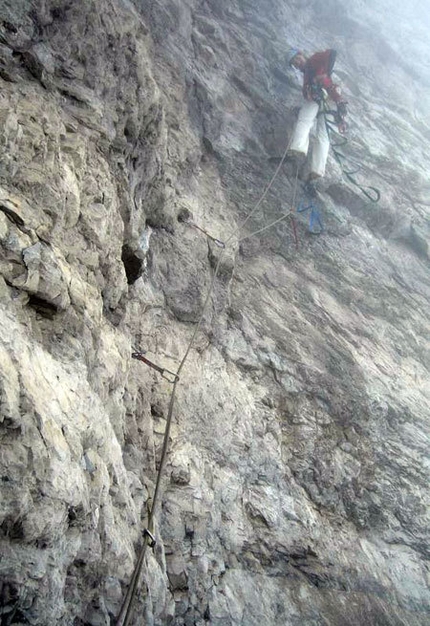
(296,490)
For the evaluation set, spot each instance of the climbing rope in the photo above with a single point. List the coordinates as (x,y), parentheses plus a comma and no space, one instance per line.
(128,604)
(126,612)
(264,194)
(279,219)
(373,194)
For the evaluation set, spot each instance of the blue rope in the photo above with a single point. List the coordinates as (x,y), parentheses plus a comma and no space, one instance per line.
(316,226)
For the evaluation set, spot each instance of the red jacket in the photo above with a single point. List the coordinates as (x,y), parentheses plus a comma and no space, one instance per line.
(316,74)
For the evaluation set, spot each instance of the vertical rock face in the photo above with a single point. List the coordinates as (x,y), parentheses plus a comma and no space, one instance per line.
(296,487)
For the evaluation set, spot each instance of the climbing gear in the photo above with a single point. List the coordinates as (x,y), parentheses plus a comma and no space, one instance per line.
(339,117)
(126,612)
(342,126)
(166,374)
(316,92)
(185,219)
(337,126)
(316,226)
(291,54)
(309,188)
(341,109)
(217,242)
(338,120)
(152,541)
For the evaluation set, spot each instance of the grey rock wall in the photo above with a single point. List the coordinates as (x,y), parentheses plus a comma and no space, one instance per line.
(296,489)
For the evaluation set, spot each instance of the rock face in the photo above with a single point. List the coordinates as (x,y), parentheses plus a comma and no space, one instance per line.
(296,490)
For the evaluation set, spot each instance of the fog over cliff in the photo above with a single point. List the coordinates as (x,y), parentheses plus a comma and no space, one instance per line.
(296,486)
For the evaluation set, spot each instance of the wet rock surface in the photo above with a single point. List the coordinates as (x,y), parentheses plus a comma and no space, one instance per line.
(296,489)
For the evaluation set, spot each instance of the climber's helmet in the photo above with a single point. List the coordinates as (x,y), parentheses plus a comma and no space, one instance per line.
(296,58)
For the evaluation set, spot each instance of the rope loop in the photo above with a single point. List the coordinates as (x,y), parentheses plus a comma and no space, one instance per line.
(316,226)
(373,194)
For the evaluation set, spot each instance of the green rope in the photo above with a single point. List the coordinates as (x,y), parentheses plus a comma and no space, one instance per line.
(372,193)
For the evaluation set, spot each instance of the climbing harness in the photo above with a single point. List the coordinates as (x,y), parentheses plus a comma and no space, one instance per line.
(126,612)
(166,374)
(332,127)
(316,226)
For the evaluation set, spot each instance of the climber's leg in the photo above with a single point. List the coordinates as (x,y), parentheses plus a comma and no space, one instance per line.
(320,149)
(300,140)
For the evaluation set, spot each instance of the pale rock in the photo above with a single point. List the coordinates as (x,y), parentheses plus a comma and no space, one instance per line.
(296,484)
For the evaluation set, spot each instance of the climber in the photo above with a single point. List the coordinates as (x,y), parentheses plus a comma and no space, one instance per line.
(317,88)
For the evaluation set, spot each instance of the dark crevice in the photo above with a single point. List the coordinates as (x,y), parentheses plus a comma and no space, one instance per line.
(75,516)
(43,307)
(12,215)
(184,216)
(157,410)
(72,98)
(12,528)
(10,27)
(14,616)
(132,264)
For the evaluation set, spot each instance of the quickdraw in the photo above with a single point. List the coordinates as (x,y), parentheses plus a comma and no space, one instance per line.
(152,542)
(166,374)
(216,241)
(316,226)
